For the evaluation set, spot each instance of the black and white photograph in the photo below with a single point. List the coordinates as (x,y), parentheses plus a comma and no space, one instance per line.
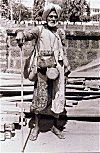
(49,76)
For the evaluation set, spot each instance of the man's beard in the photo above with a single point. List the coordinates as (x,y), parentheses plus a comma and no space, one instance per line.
(50,24)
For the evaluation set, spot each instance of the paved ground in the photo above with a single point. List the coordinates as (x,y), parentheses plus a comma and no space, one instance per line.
(81,136)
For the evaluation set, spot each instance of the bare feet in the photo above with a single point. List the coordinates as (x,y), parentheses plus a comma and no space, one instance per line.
(58,133)
(34,134)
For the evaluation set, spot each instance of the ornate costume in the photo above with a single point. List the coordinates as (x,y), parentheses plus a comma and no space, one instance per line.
(49,50)
(51,64)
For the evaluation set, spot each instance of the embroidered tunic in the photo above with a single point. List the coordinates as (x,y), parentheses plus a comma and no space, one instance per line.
(48,93)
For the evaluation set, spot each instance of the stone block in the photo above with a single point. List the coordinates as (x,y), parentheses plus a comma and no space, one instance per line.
(15,52)
(18,64)
(2,136)
(84,44)
(3,59)
(72,43)
(13,41)
(3,47)
(95,44)
(91,55)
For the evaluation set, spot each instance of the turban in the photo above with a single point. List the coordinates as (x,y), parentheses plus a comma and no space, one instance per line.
(48,8)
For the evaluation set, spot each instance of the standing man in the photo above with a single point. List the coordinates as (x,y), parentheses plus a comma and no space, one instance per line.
(52,67)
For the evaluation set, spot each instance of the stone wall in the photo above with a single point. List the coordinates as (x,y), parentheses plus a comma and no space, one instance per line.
(82,46)
(14,57)
(3,50)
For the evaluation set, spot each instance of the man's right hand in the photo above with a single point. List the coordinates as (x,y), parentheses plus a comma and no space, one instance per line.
(20,39)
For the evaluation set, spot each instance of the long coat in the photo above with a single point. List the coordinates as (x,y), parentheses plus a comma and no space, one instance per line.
(48,93)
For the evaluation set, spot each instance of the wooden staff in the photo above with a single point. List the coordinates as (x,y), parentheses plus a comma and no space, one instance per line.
(21,54)
(26,140)
(20,44)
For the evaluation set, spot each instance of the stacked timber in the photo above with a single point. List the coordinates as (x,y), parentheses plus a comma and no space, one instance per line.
(11,84)
(79,89)
(83,93)
(7,130)
(11,108)
(11,118)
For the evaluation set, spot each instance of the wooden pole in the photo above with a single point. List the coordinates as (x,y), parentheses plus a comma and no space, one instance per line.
(21,53)
(11,10)
(20,11)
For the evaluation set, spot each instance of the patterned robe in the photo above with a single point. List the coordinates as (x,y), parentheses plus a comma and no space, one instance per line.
(48,94)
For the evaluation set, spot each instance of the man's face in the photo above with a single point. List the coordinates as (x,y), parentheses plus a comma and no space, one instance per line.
(52,19)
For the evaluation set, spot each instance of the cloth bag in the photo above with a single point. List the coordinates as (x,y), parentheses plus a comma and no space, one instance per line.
(44,63)
(30,68)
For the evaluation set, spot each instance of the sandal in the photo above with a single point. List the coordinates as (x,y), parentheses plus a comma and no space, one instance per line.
(57,132)
(34,134)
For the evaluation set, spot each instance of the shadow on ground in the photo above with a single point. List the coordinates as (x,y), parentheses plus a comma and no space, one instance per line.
(46,121)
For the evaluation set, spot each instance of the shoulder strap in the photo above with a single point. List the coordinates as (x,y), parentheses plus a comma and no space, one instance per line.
(34,51)
(37,41)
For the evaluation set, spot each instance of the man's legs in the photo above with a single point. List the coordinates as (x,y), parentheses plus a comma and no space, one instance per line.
(35,130)
(55,129)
